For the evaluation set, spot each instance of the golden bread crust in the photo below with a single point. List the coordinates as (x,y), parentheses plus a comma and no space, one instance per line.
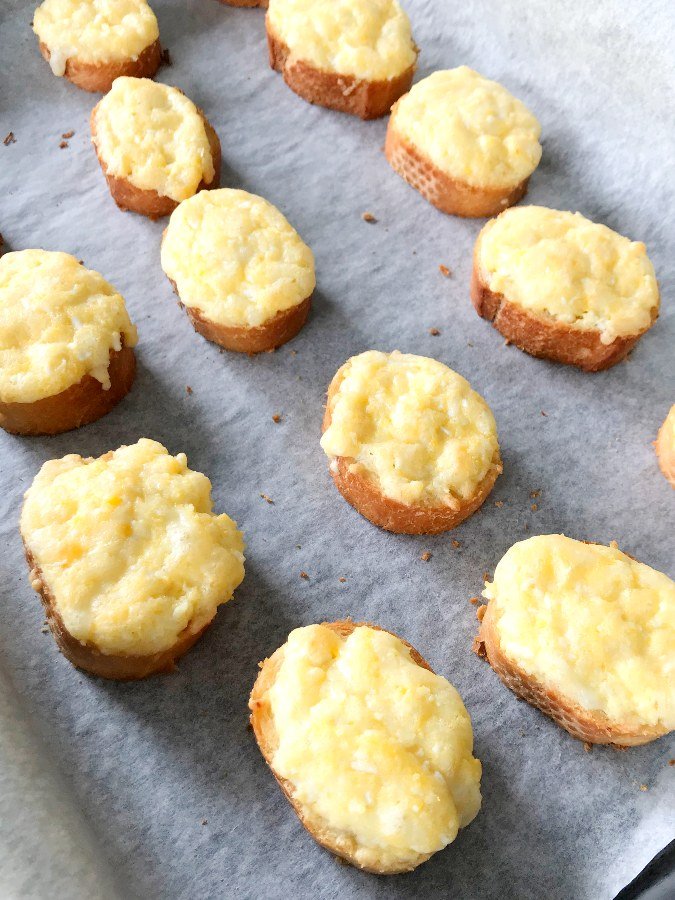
(149,203)
(87,657)
(345,93)
(390,514)
(262,721)
(98,77)
(665,451)
(547,338)
(592,727)
(457,198)
(78,405)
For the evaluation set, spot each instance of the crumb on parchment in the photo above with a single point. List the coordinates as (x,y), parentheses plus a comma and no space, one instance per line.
(445,271)
(426,556)
(368,217)
(267,499)
(304,575)
(276,418)
(434,332)
(9,139)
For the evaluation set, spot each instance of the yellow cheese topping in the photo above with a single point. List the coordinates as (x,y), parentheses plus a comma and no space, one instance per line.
(471,128)
(374,745)
(367,39)
(153,136)
(94,31)
(562,265)
(413,426)
(236,258)
(130,548)
(58,323)
(592,624)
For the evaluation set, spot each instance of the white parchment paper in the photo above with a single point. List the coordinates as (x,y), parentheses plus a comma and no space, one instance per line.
(157,789)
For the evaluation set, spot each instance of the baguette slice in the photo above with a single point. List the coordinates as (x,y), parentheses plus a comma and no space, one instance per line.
(341,844)
(345,93)
(78,405)
(98,77)
(149,203)
(665,446)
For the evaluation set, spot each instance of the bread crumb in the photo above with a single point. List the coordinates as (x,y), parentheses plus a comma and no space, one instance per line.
(445,271)
(543,413)
(534,494)
(45,629)
(9,139)
(276,418)
(293,352)
(298,546)
(67,135)
(480,612)
(205,821)
(643,787)
(486,576)
(304,575)
(426,556)
(588,746)
(671,762)
(434,332)
(534,507)
(188,390)
(469,344)
(368,217)
(499,503)
(456,544)
(342,579)
(165,58)
(267,499)
(63,145)
(474,600)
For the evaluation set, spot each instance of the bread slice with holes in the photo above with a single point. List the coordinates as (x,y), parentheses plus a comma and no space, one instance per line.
(355,57)
(354,724)
(92,44)
(587,635)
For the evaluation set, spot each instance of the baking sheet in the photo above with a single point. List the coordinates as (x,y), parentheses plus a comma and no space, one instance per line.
(156,789)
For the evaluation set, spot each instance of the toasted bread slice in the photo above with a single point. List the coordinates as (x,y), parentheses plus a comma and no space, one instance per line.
(665,446)
(92,44)
(363,489)
(435,142)
(248,307)
(149,201)
(344,842)
(354,92)
(109,611)
(554,331)
(623,714)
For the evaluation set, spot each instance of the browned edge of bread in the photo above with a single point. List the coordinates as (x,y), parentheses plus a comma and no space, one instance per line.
(545,337)
(87,657)
(366,498)
(79,404)
(249,4)
(457,198)
(665,451)
(345,93)
(148,202)
(592,727)
(98,77)
(262,721)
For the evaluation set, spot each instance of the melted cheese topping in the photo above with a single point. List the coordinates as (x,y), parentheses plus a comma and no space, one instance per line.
(130,548)
(562,265)
(591,623)
(94,31)
(470,127)
(413,426)
(368,40)
(665,446)
(153,136)
(374,745)
(236,258)
(58,323)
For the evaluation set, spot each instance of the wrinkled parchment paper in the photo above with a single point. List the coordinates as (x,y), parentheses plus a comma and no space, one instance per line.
(157,789)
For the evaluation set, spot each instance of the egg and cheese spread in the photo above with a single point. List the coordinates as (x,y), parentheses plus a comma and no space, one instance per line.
(374,745)
(413,426)
(368,40)
(58,323)
(153,136)
(236,258)
(129,547)
(562,265)
(665,446)
(94,31)
(591,623)
(471,128)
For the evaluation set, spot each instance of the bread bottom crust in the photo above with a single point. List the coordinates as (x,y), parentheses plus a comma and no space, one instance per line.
(665,452)
(547,338)
(457,198)
(89,658)
(342,844)
(345,93)
(249,4)
(149,203)
(78,405)
(98,77)
(590,726)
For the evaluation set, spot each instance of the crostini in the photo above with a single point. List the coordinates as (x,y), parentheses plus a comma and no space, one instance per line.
(586,634)
(464,142)
(240,269)
(128,558)
(155,147)
(372,749)
(665,446)
(66,343)
(411,446)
